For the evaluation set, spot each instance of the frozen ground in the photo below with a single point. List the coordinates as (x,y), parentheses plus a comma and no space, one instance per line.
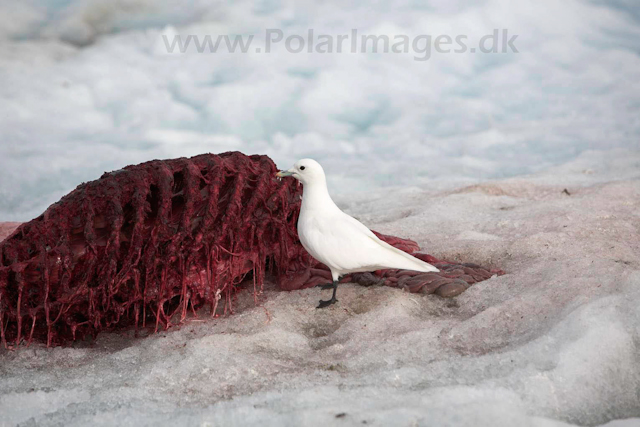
(555,342)
(88,86)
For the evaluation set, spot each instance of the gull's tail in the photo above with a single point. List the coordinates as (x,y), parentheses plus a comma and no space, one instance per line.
(396,258)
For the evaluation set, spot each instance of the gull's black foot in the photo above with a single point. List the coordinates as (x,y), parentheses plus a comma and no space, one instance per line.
(325,286)
(327,303)
(333,299)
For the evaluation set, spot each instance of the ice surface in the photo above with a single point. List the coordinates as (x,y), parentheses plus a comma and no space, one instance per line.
(87,86)
(554,342)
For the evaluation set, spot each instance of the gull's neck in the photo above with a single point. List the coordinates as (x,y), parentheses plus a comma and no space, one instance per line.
(315,197)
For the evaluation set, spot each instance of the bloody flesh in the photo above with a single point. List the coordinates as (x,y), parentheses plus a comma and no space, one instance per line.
(144,245)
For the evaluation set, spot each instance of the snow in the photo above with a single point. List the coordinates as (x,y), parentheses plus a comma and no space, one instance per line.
(554,342)
(469,154)
(88,86)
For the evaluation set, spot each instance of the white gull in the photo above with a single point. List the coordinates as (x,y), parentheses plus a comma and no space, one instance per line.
(338,240)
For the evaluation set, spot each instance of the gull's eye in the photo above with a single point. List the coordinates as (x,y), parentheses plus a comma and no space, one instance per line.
(301,168)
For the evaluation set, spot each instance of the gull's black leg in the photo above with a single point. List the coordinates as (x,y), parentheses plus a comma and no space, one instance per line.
(325,286)
(333,299)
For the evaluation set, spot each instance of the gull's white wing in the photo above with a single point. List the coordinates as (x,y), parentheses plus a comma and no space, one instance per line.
(346,245)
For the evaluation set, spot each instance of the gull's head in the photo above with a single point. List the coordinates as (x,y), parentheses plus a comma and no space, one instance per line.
(306,171)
